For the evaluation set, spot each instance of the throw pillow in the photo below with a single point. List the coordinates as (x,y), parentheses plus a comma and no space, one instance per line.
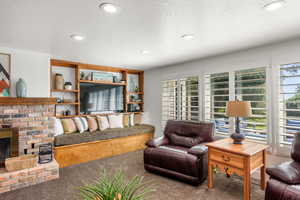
(131,119)
(115,121)
(79,124)
(84,123)
(125,120)
(58,127)
(103,122)
(137,119)
(93,125)
(68,125)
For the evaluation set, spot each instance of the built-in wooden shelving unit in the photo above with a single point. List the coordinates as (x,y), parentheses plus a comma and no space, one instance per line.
(76,67)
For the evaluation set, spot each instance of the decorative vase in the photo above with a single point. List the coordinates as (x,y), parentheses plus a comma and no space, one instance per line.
(68,86)
(21,88)
(59,81)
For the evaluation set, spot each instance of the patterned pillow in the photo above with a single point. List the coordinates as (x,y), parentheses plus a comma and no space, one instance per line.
(84,123)
(79,124)
(69,126)
(102,122)
(93,125)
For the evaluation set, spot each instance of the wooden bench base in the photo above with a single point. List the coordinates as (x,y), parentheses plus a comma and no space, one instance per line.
(84,152)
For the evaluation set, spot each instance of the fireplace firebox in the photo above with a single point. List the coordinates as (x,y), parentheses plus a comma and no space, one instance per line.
(8,144)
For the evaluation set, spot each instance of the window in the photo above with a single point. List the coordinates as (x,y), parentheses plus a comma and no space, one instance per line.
(250,85)
(244,85)
(289,102)
(180,99)
(216,96)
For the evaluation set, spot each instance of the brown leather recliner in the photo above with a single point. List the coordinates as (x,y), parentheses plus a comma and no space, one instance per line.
(180,153)
(284,183)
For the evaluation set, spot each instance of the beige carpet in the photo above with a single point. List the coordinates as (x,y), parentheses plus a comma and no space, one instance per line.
(72,177)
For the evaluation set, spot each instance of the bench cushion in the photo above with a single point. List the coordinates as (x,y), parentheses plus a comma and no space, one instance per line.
(77,138)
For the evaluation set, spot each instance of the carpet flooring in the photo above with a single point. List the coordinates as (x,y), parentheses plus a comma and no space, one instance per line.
(66,187)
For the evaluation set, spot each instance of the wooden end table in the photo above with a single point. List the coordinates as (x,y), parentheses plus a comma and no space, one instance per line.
(240,159)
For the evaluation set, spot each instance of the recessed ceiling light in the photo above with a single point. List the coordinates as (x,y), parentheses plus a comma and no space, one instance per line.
(109,8)
(145,52)
(77,37)
(188,37)
(274,5)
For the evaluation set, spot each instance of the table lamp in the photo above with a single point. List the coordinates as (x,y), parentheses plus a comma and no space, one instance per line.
(238,109)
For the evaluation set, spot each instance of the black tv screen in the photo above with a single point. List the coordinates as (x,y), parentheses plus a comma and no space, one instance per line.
(96,98)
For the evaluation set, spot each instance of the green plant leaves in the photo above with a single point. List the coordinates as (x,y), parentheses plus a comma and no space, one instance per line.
(116,188)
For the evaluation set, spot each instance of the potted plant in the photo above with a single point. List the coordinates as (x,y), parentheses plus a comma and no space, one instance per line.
(116,188)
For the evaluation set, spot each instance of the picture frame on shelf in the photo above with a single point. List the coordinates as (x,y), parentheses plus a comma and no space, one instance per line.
(102,76)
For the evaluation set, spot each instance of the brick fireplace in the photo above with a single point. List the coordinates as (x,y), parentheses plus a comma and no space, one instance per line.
(30,118)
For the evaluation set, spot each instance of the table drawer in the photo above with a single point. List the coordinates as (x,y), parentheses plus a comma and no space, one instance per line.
(228,170)
(227,158)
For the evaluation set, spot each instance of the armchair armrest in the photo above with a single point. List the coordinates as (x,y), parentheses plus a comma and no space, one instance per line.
(288,172)
(156,142)
(198,150)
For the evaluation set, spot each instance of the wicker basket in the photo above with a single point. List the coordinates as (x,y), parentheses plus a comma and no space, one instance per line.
(21,162)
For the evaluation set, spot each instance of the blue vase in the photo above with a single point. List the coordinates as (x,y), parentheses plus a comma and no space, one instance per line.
(21,88)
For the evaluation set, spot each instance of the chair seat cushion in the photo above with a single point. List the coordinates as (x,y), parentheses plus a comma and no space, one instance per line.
(173,158)
(288,172)
(77,138)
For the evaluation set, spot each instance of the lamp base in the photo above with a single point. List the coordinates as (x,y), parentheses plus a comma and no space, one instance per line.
(237,138)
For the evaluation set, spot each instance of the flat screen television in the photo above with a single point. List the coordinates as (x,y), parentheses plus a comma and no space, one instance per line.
(97,98)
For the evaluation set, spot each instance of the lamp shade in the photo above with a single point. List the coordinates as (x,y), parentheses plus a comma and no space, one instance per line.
(238,109)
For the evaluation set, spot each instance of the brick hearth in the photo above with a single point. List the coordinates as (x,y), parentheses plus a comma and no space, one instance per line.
(26,177)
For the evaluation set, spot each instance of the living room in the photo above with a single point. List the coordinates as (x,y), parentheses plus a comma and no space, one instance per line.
(116,100)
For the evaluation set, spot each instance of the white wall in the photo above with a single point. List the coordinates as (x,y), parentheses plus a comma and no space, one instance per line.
(267,56)
(33,67)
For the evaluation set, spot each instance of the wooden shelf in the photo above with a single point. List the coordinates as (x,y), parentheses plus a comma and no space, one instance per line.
(55,90)
(130,93)
(135,102)
(67,116)
(102,82)
(67,103)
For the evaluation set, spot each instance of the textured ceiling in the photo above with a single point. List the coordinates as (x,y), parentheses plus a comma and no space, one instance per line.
(219,26)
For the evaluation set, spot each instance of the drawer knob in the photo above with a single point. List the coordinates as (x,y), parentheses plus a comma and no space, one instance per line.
(226,159)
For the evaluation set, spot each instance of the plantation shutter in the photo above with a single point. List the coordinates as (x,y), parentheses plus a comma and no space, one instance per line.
(250,85)
(169,101)
(189,99)
(289,102)
(216,96)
